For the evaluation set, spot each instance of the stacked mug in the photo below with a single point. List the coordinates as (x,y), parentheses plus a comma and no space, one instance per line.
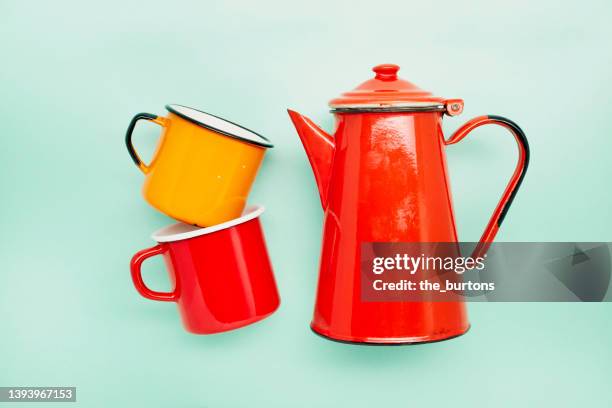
(216,256)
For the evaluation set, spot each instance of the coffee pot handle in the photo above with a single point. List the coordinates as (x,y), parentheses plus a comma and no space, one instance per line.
(128,137)
(515,181)
(141,287)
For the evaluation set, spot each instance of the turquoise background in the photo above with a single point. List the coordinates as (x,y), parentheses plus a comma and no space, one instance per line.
(73,73)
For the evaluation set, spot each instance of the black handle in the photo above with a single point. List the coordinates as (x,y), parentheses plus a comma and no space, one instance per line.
(515,181)
(128,137)
(524,147)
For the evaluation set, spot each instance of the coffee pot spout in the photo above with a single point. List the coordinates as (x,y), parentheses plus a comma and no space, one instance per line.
(319,146)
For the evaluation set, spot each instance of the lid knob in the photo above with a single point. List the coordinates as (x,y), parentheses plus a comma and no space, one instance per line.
(386,72)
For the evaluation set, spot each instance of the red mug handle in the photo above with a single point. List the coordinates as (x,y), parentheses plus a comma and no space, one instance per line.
(135,265)
(515,181)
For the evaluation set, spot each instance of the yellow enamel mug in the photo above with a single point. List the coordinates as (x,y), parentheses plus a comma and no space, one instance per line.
(203,168)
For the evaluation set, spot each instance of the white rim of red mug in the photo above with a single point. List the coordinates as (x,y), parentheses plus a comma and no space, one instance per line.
(181,231)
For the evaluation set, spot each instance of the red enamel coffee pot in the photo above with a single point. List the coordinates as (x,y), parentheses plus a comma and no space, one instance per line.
(382,177)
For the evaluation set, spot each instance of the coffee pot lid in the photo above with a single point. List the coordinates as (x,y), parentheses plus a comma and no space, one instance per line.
(387,92)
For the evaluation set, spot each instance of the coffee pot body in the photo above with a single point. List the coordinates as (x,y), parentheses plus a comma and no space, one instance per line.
(382,177)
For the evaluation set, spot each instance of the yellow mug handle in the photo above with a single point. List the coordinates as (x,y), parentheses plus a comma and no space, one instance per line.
(128,137)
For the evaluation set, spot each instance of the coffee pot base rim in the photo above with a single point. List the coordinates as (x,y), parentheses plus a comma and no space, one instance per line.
(389,341)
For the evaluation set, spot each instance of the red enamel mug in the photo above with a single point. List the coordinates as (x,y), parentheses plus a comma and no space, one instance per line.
(222,274)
